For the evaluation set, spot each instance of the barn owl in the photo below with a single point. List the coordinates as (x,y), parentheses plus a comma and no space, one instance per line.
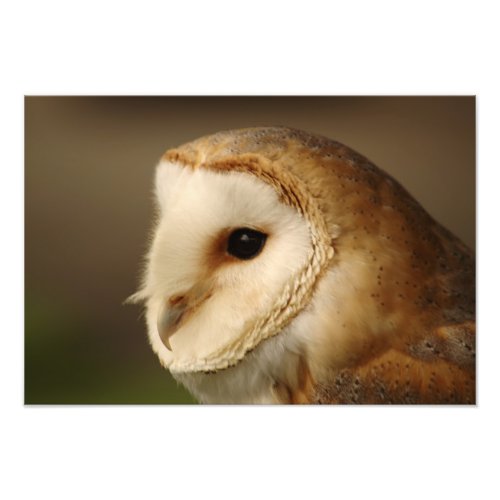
(286,268)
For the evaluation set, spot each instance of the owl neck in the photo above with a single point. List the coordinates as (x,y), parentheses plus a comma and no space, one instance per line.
(273,373)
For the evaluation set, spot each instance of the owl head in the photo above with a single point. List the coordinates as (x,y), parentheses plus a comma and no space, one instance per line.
(238,247)
(270,235)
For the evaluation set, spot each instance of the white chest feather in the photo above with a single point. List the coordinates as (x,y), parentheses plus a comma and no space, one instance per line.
(254,379)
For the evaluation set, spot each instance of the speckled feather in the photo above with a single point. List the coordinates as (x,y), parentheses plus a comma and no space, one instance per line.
(415,287)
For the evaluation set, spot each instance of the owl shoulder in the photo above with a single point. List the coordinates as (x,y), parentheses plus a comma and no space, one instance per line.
(439,368)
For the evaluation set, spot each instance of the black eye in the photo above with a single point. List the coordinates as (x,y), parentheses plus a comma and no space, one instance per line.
(245,243)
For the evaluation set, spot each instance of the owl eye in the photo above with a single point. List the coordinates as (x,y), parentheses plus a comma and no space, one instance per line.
(245,243)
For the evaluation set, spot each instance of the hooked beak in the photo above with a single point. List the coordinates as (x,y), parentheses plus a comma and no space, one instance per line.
(174,310)
(169,317)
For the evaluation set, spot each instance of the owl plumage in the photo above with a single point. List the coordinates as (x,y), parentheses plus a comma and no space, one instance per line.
(355,295)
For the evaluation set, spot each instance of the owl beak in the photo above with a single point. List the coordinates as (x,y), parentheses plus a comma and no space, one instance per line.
(176,309)
(169,317)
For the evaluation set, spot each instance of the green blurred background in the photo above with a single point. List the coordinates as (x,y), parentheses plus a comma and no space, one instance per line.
(89,164)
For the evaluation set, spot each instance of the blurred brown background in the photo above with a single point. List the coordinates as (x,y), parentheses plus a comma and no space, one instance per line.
(89,164)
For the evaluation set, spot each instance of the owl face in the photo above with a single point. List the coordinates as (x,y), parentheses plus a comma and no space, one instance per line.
(227,256)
